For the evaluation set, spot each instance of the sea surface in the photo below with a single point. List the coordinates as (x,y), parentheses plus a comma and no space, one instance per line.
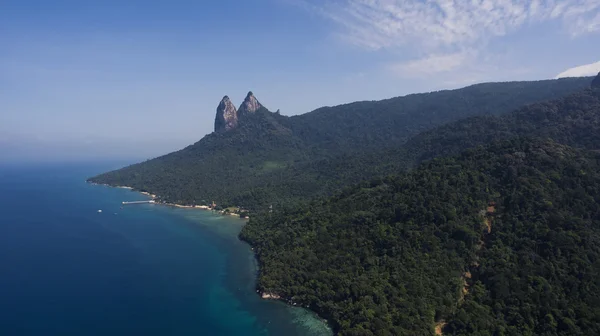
(67,269)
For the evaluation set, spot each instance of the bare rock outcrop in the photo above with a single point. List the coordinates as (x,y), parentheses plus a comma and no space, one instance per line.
(227,116)
(250,105)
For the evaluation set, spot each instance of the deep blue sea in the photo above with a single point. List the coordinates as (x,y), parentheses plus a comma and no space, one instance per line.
(66,269)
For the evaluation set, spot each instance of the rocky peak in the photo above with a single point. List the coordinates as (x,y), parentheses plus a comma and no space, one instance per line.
(227,117)
(596,82)
(250,105)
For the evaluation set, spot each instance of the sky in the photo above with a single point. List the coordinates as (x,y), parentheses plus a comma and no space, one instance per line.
(112,79)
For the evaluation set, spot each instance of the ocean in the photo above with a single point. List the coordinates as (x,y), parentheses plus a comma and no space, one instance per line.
(67,269)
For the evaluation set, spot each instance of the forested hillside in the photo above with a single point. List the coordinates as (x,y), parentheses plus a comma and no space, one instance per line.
(376,125)
(573,120)
(500,240)
(273,159)
(219,163)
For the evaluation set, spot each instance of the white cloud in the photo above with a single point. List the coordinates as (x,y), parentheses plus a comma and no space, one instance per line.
(431,64)
(586,25)
(443,32)
(580,71)
(376,24)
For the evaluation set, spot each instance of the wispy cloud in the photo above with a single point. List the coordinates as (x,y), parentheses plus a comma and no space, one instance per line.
(432,64)
(376,24)
(582,70)
(444,32)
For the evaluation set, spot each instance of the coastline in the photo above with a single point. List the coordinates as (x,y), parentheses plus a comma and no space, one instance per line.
(272,296)
(176,205)
(264,295)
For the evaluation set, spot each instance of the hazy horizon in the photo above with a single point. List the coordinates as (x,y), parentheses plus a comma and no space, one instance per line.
(133,81)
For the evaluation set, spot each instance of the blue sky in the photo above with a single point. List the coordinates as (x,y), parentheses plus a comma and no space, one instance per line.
(84,80)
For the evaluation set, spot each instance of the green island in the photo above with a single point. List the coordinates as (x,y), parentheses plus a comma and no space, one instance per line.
(271,159)
(464,212)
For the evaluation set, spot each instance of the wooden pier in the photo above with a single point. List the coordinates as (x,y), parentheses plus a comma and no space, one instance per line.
(139,202)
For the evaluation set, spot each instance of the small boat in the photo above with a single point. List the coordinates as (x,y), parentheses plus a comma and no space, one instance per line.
(99,211)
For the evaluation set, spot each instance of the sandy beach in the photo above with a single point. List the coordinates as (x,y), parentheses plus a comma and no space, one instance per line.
(154,197)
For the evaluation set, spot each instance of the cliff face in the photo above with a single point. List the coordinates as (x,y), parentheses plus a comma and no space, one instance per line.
(227,117)
(250,105)
(596,82)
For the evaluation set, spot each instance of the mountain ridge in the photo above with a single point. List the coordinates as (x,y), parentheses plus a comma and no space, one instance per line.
(250,164)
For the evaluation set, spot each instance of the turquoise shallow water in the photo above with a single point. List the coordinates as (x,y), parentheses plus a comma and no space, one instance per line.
(131,270)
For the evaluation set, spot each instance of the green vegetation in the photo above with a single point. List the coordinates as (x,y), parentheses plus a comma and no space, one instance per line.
(275,160)
(573,120)
(269,166)
(388,257)
(487,225)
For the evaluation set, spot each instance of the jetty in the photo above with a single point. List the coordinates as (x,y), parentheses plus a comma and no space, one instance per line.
(139,202)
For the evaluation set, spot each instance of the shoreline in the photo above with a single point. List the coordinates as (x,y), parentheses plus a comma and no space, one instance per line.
(288,301)
(272,296)
(264,295)
(176,205)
